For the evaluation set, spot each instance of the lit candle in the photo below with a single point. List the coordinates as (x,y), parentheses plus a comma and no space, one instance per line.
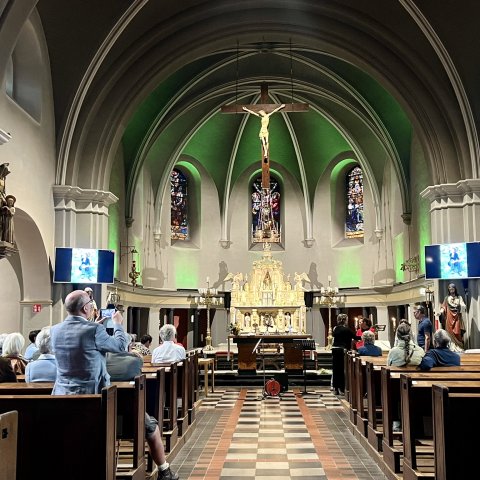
(208,280)
(329,278)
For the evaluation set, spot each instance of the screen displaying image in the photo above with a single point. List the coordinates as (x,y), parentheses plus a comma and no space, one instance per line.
(453,260)
(84,265)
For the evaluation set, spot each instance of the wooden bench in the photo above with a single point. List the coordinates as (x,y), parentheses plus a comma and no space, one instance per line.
(169,427)
(131,428)
(8,445)
(80,429)
(418,449)
(392,443)
(360,389)
(455,433)
(377,411)
(130,420)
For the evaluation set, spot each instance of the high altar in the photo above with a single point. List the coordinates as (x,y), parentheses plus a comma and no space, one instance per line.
(265,301)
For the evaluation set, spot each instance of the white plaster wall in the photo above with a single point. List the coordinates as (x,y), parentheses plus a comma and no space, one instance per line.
(10,296)
(31,155)
(31,151)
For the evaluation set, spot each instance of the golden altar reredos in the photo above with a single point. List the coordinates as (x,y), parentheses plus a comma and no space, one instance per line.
(266,301)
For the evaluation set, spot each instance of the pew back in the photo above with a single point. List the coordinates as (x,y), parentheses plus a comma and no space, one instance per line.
(79,428)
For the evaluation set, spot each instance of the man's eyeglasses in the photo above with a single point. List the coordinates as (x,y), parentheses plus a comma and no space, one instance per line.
(86,303)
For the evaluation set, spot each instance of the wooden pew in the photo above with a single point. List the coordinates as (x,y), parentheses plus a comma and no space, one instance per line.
(131,427)
(193,393)
(360,389)
(376,411)
(416,395)
(183,388)
(8,445)
(452,455)
(130,419)
(80,429)
(392,443)
(169,425)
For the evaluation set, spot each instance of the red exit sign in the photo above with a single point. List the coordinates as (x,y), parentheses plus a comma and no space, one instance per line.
(37,308)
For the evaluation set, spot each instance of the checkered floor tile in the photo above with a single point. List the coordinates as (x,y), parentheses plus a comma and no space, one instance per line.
(242,436)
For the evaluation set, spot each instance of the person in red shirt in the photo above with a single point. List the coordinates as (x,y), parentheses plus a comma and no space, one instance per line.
(365,324)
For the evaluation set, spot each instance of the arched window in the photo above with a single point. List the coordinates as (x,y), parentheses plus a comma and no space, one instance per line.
(274,211)
(179,205)
(354,220)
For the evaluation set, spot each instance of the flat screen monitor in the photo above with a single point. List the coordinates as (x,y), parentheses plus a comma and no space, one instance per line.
(452,260)
(83,265)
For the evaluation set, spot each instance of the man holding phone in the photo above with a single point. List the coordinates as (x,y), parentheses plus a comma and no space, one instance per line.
(80,347)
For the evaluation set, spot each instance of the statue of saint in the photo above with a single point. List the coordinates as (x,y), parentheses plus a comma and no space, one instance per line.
(8,211)
(452,308)
(265,120)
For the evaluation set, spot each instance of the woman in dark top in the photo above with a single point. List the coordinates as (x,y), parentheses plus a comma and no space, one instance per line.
(342,335)
(342,340)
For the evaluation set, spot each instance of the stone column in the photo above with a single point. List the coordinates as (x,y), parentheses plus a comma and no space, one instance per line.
(81,216)
(382,319)
(455,217)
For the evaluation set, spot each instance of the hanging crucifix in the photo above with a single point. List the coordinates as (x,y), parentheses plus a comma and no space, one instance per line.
(267,229)
(264,110)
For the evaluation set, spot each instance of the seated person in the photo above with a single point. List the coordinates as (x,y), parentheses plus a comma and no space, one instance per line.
(365,326)
(124,367)
(32,348)
(440,355)
(12,346)
(142,347)
(168,351)
(125,364)
(6,372)
(405,352)
(369,347)
(44,369)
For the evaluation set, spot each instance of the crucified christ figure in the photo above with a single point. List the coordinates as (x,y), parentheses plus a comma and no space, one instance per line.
(265,119)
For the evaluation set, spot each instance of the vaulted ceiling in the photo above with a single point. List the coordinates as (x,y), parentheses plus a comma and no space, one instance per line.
(149,78)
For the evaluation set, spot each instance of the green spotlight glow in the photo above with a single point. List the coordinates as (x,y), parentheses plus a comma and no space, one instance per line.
(398,243)
(349,268)
(186,270)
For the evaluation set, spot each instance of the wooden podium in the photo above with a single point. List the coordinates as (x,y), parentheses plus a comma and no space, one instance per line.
(247,359)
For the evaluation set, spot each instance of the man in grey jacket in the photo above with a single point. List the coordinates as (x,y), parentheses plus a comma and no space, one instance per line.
(80,347)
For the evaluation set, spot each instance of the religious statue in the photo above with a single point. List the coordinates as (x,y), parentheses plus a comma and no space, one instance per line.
(265,120)
(299,277)
(235,278)
(452,308)
(8,211)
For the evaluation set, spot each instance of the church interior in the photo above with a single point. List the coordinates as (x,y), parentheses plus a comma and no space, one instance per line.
(257,168)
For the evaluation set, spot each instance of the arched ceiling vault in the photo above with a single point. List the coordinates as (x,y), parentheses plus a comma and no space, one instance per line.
(370,74)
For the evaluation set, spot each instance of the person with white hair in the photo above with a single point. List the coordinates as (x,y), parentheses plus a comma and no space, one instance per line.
(12,348)
(440,355)
(168,351)
(3,336)
(369,348)
(44,369)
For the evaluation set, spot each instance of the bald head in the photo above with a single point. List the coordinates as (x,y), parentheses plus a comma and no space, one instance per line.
(75,303)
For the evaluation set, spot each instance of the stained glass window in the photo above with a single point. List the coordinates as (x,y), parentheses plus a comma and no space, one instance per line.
(179,205)
(271,214)
(354,220)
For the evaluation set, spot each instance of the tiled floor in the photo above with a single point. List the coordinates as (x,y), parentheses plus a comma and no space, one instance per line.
(239,436)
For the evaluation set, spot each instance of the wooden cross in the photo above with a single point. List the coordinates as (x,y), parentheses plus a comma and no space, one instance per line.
(264,110)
